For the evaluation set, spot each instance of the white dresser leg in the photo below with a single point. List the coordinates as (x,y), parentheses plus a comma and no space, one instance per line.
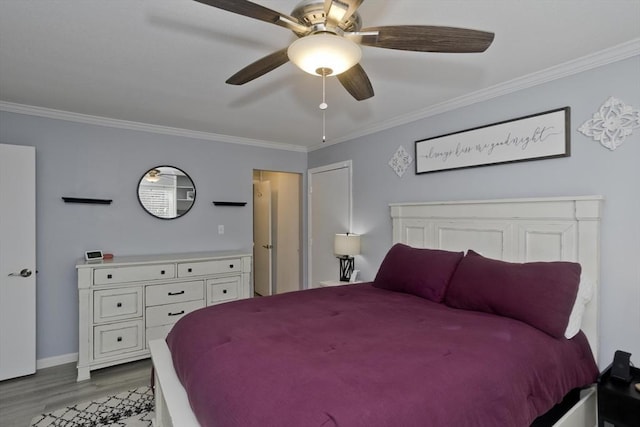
(83,373)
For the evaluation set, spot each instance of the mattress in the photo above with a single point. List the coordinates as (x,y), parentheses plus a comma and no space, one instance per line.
(361,356)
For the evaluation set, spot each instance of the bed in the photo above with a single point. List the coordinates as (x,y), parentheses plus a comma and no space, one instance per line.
(393,353)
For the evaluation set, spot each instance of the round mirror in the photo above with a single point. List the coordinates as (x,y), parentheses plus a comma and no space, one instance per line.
(166,192)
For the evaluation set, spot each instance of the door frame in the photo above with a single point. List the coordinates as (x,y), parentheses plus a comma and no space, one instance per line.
(279,261)
(348,164)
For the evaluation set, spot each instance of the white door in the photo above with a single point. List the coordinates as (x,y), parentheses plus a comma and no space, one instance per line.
(17,261)
(330,205)
(286,231)
(262,244)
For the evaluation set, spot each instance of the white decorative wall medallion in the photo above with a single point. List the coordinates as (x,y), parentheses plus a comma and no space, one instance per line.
(612,123)
(400,161)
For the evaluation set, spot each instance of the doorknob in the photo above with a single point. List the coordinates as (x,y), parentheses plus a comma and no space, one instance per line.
(25,272)
(267,246)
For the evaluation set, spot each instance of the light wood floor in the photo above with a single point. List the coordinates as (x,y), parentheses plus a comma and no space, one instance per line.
(21,399)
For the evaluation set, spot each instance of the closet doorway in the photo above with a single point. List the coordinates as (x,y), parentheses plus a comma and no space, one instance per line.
(277,231)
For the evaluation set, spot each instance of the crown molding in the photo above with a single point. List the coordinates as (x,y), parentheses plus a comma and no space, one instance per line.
(142,127)
(608,56)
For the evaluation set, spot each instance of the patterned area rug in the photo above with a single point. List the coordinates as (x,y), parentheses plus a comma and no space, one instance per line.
(133,408)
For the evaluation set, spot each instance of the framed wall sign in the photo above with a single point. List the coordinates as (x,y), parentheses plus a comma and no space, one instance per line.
(539,136)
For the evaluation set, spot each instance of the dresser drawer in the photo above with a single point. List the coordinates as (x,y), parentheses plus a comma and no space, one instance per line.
(157,333)
(223,289)
(117,338)
(174,292)
(201,268)
(105,276)
(170,313)
(117,304)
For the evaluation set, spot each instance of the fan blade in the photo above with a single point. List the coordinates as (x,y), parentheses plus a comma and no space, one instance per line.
(426,38)
(253,10)
(259,68)
(337,11)
(356,82)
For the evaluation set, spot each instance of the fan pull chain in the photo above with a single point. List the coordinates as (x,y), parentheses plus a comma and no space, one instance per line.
(323,106)
(324,126)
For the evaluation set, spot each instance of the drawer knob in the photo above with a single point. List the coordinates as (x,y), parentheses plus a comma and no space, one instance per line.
(119,305)
(230,265)
(224,291)
(189,270)
(175,293)
(161,271)
(177,314)
(109,276)
(119,339)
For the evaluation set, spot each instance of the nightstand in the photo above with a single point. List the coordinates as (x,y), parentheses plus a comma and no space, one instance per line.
(618,402)
(327,283)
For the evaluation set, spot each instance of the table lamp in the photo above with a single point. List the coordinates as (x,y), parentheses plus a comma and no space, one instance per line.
(345,246)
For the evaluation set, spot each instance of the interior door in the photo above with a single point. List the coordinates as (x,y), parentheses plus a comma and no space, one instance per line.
(330,205)
(262,238)
(17,261)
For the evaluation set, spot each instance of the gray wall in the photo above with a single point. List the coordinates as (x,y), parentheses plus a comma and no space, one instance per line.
(83,160)
(591,169)
(93,161)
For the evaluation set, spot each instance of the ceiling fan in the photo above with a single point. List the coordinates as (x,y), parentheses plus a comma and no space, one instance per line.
(329,34)
(155,174)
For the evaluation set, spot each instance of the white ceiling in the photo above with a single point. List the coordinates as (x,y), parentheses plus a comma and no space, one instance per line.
(164,62)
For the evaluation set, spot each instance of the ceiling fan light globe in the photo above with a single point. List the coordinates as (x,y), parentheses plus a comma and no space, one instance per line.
(152,176)
(324,51)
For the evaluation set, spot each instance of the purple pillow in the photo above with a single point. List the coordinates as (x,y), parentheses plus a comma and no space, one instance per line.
(540,294)
(421,272)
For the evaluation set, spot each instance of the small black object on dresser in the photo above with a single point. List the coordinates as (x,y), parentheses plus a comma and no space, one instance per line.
(619,399)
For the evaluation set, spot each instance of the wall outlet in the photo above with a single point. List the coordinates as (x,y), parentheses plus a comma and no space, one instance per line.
(221,229)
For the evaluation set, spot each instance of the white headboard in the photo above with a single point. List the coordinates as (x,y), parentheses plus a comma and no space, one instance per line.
(516,230)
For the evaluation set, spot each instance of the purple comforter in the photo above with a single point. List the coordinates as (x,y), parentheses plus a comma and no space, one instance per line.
(355,355)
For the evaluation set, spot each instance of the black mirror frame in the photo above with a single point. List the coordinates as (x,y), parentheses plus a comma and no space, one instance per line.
(195,192)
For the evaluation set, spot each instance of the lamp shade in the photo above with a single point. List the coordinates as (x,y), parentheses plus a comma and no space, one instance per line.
(324,52)
(346,244)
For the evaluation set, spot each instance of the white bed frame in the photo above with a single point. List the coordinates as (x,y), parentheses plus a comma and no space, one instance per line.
(517,230)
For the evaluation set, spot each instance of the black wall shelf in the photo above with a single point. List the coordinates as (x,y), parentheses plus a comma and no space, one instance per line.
(218,203)
(87,200)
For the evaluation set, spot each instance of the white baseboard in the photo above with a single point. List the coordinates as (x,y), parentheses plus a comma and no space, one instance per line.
(56,360)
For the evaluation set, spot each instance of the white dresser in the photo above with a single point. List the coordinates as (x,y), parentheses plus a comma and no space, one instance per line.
(127,301)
